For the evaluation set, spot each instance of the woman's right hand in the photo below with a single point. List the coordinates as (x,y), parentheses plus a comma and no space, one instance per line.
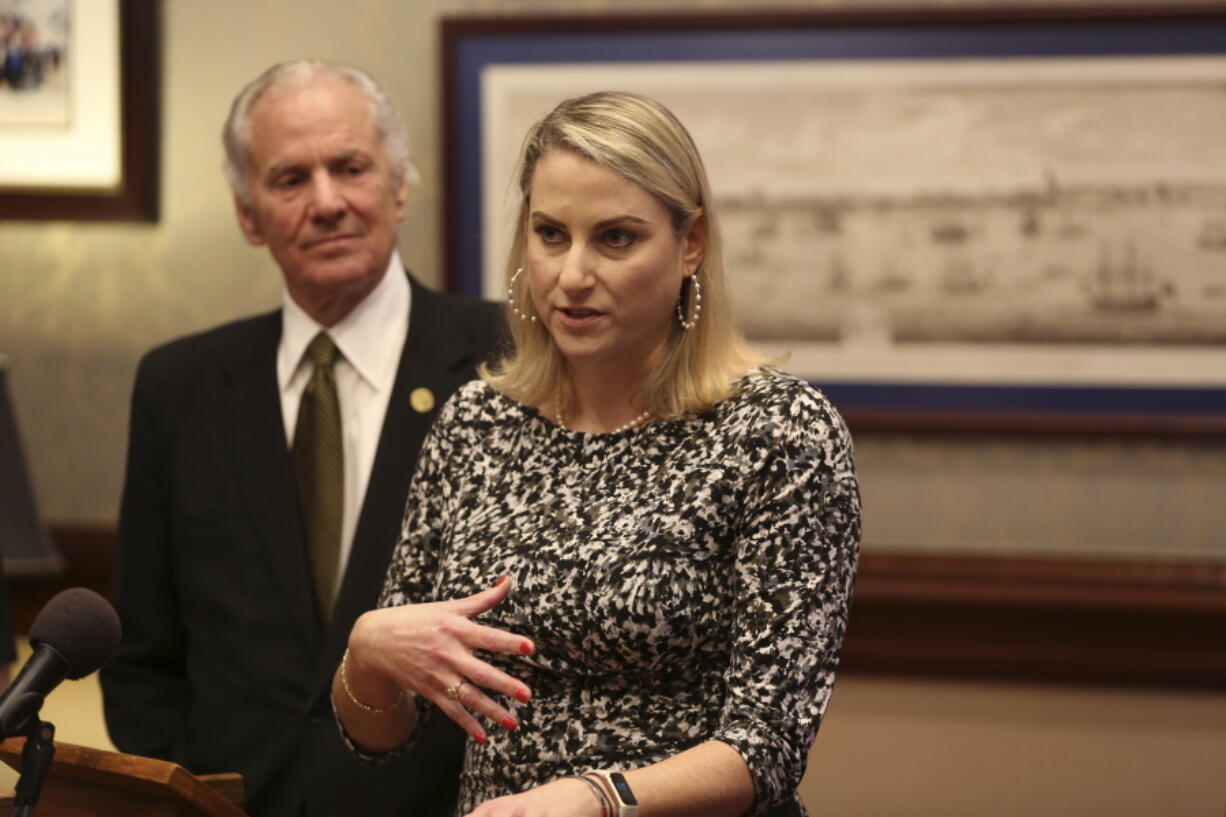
(428,649)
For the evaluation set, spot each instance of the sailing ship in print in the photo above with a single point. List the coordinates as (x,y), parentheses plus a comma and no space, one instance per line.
(1084,264)
(1124,281)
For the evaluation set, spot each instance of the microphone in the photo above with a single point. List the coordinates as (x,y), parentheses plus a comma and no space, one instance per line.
(72,636)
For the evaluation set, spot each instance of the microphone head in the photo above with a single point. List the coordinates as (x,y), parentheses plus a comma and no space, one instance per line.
(81,626)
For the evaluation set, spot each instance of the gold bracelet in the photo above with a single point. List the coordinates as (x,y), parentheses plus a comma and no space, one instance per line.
(362,704)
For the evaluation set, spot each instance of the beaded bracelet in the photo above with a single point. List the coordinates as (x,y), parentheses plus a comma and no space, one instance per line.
(359,703)
(597,790)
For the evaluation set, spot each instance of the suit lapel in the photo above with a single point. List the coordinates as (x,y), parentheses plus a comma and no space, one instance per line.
(256,434)
(435,357)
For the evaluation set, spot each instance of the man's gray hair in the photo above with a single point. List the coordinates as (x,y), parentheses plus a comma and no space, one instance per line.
(236,135)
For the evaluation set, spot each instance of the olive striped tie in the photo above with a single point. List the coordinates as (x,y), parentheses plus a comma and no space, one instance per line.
(319,470)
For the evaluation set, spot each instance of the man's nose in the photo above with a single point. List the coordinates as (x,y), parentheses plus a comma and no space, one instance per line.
(327,203)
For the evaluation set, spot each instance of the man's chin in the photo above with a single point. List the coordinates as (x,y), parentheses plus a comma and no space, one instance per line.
(342,264)
(328,291)
(341,274)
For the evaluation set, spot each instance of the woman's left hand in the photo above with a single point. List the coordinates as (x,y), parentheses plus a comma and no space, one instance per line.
(565,797)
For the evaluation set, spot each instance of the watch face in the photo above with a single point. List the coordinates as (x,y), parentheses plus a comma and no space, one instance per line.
(623,789)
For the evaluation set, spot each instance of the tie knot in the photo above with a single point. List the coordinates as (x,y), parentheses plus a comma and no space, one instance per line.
(322,351)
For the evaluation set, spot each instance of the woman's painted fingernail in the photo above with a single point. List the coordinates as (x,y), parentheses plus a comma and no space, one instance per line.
(479,737)
(522,696)
(501,579)
(525,648)
(509,723)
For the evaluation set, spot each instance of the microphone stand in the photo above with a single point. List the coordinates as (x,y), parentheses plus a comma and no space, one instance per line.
(35,763)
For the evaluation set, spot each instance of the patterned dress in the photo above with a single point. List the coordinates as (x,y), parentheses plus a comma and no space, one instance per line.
(683,581)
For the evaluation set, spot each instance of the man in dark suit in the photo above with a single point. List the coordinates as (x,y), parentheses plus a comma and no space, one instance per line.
(231,631)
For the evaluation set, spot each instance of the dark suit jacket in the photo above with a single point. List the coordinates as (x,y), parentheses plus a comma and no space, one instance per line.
(223,666)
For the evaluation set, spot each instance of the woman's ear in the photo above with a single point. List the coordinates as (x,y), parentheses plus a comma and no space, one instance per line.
(694,242)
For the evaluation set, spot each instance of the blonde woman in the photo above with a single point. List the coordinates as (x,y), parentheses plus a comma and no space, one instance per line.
(629,548)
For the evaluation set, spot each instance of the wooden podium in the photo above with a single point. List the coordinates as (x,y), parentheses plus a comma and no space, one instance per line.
(86,782)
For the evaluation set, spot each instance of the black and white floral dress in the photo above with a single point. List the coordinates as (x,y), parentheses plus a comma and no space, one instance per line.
(684,581)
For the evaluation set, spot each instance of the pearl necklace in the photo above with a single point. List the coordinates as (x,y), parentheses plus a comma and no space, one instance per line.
(623,427)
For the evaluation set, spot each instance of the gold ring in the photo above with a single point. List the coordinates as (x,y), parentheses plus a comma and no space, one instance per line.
(453,691)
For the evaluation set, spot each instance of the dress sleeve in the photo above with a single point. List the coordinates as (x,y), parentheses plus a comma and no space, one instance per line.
(796,555)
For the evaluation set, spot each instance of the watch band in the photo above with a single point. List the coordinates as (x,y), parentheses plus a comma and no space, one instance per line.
(623,797)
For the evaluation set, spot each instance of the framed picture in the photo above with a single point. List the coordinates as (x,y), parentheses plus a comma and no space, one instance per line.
(997,220)
(950,220)
(79,109)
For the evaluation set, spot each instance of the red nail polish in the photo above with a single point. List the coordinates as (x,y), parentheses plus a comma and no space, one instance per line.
(479,737)
(501,579)
(525,648)
(522,696)
(509,723)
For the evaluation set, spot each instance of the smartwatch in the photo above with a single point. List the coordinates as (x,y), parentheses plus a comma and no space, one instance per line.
(623,797)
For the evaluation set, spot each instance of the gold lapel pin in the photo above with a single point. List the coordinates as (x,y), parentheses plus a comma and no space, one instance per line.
(422,400)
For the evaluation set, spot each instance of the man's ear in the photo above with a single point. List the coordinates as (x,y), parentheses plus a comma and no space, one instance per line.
(401,197)
(248,223)
(694,241)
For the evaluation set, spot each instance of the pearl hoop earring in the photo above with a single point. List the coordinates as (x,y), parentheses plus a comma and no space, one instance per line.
(690,324)
(511,298)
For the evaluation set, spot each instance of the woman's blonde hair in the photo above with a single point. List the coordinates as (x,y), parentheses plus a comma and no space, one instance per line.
(640,140)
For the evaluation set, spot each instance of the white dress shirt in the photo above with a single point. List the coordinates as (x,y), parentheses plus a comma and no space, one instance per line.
(370,340)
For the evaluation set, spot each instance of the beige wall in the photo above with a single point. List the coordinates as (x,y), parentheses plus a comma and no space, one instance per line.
(80,302)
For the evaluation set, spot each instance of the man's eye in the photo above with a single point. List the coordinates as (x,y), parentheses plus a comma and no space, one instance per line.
(619,238)
(286,182)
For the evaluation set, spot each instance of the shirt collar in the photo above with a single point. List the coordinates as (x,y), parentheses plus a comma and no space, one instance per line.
(361,335)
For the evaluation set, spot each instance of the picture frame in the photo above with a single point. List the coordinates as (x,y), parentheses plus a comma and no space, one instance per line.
(114,138)
(1082,387)
(1077,618)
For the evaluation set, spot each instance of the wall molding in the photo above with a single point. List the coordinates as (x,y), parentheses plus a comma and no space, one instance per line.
(1109,622)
